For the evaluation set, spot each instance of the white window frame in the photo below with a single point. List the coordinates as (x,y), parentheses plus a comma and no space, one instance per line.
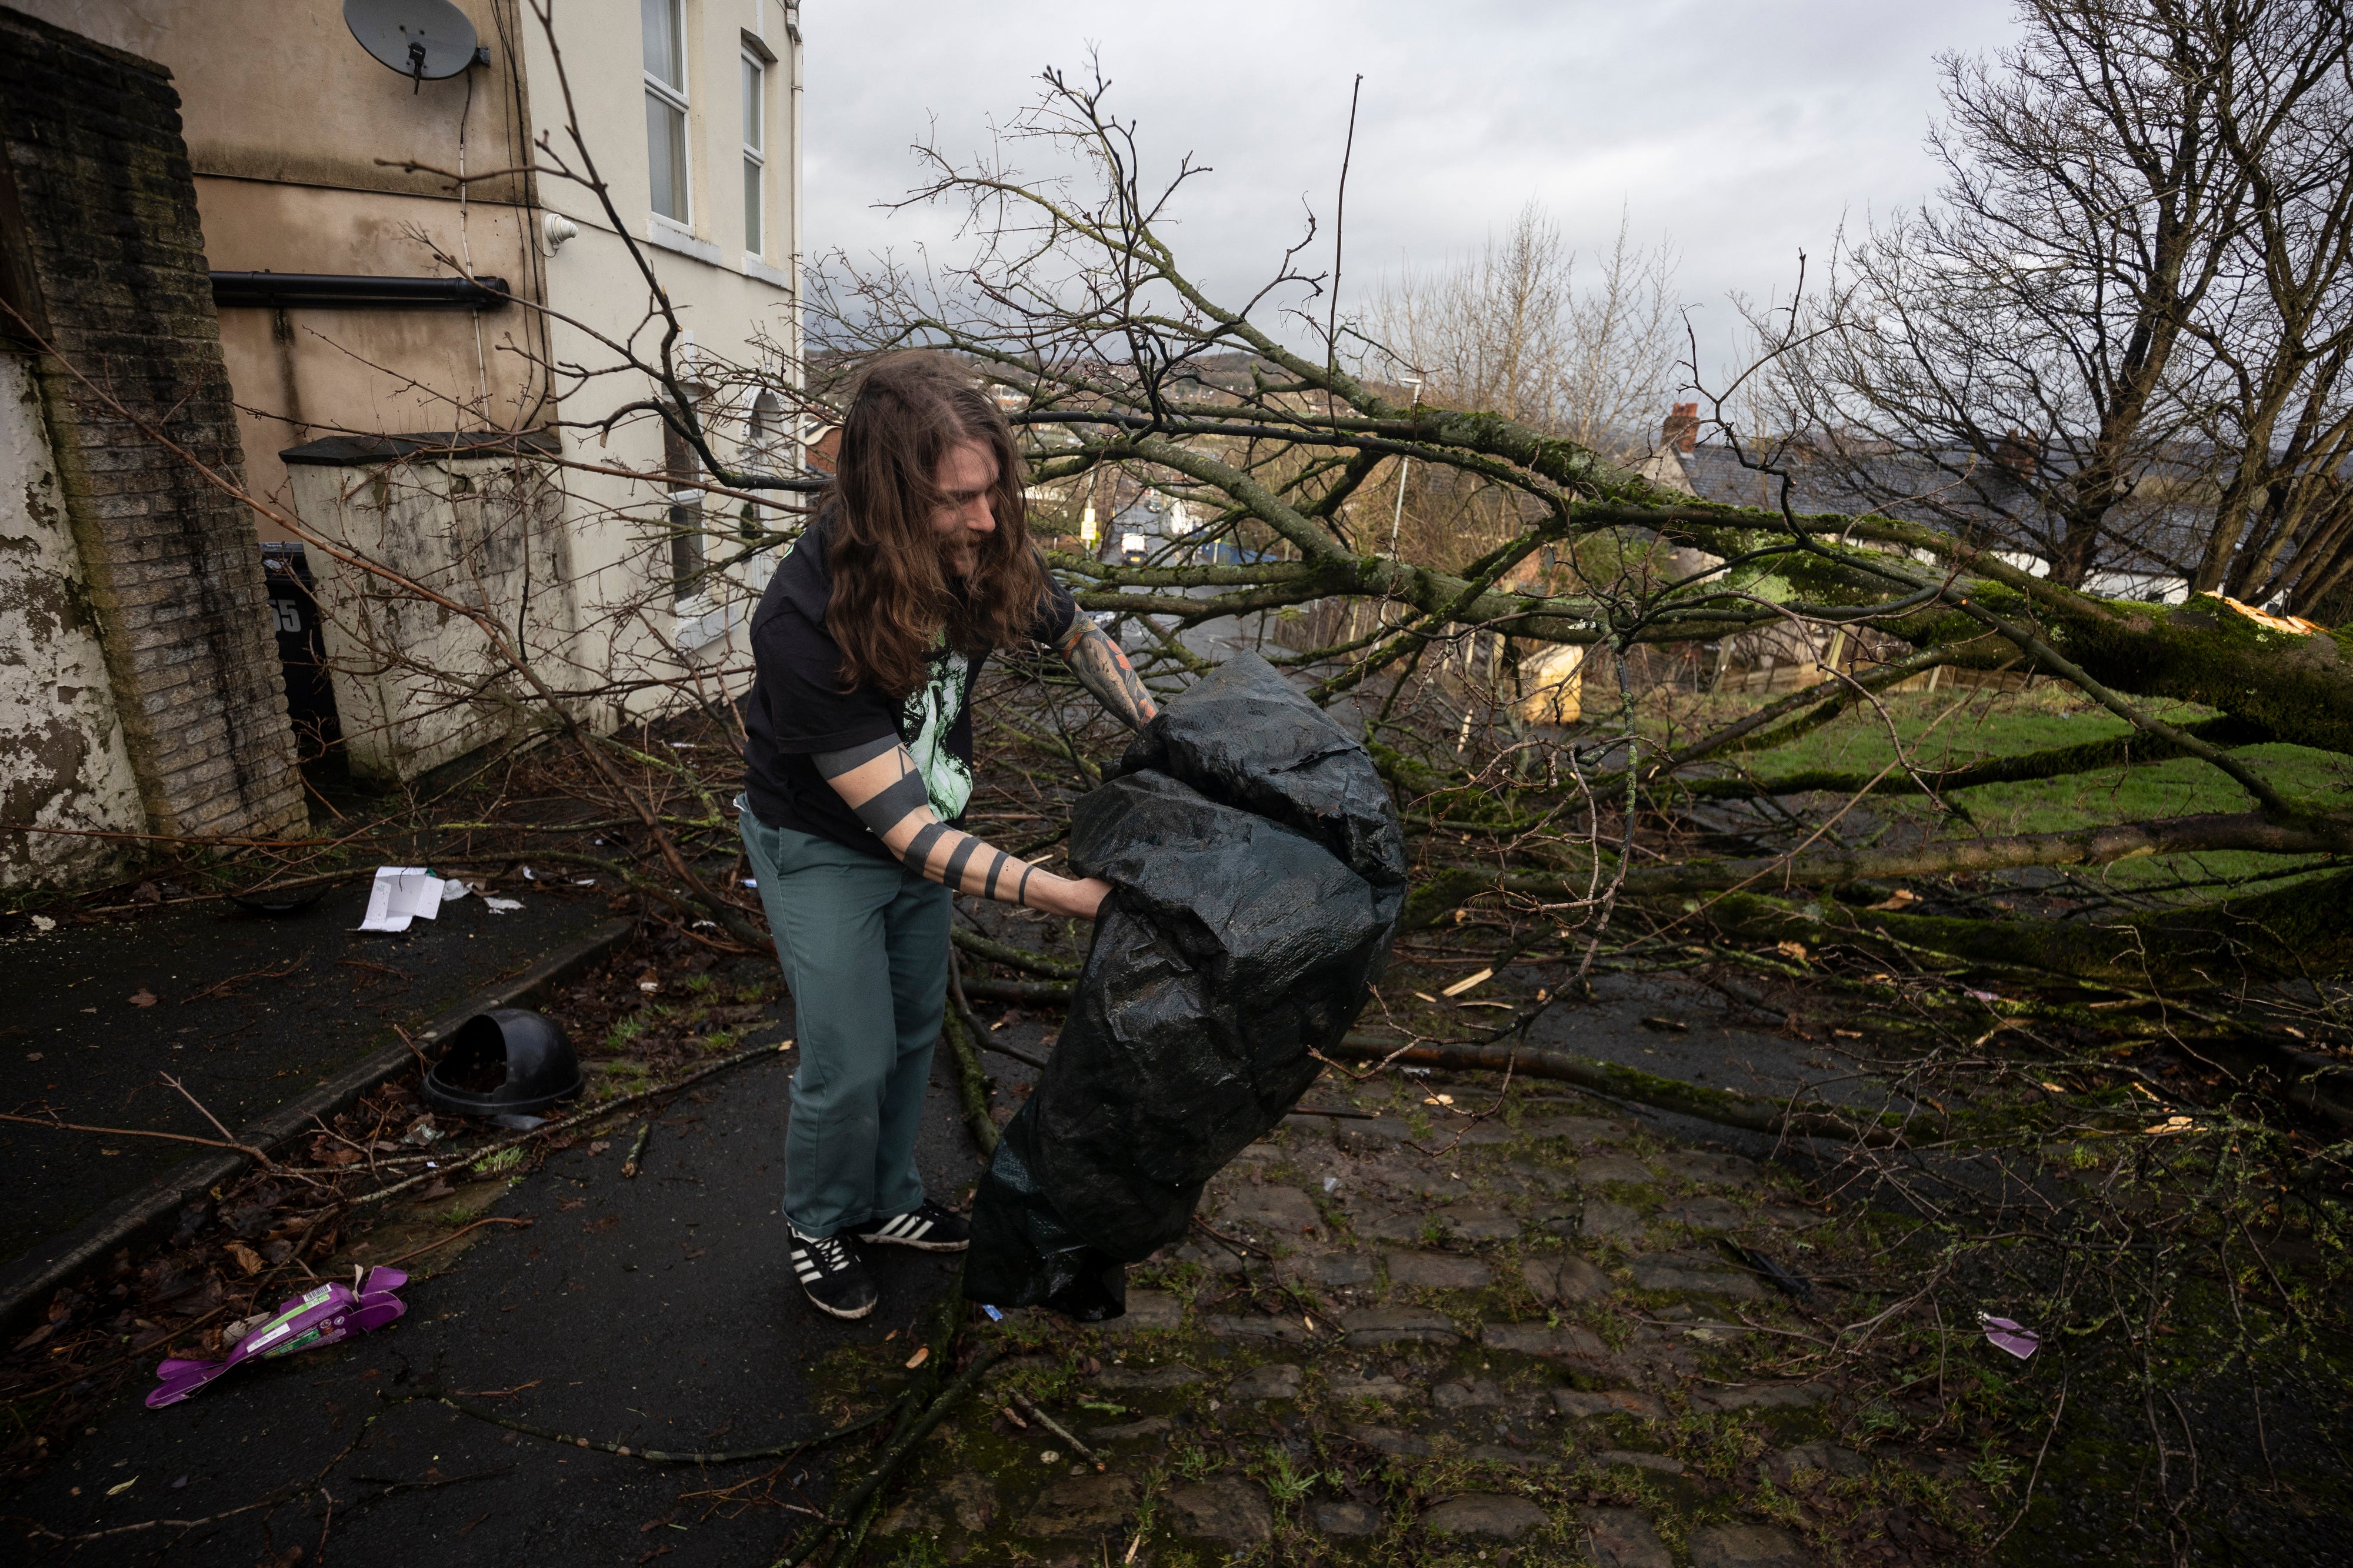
(756,154)
(675,96)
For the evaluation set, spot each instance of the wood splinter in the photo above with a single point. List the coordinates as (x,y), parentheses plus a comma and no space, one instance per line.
(637,1149)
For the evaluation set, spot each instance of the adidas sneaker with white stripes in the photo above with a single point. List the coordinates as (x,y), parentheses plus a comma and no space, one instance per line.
(833,1275)
(929,1228)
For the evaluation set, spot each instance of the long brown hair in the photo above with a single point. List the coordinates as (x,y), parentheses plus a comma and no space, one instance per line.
(892,593)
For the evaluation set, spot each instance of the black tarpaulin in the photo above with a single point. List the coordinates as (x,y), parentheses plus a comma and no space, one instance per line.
(1258,868)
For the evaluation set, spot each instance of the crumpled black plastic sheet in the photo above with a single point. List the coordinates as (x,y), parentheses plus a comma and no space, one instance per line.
(1258,869)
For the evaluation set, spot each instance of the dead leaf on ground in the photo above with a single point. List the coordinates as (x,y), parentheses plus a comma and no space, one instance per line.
(142,997)
(248,1261)
(1899,898)
(1794,950)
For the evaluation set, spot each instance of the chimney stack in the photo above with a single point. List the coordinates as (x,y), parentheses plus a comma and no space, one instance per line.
(1681,431)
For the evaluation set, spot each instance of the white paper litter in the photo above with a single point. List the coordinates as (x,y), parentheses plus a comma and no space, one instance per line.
(749,883)
(527,876)
(401,894)
(502,906)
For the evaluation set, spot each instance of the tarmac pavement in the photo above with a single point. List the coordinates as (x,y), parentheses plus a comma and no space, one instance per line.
(75,1041)
(659,1311)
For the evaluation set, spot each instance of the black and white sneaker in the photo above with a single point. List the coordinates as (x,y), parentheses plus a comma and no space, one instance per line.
(833,1275)
(929,1228)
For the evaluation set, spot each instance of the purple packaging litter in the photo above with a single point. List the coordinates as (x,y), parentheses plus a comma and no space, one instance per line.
(318,1317)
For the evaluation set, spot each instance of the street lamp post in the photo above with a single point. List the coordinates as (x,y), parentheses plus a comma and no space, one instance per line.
(1405,467)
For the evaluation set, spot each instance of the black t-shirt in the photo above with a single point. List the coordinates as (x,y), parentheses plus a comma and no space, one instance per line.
(798,707)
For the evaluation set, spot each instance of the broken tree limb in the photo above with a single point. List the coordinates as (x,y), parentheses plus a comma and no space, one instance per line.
(1025,993)
(972,1082)
(1440,894)
(1019,958)
(1667,1094)
(850,1518)
(2281,934)
(2055,761)
(2099,845)
(1719,1106)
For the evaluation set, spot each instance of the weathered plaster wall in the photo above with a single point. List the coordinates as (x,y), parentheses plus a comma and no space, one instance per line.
(478,534)
(62,762)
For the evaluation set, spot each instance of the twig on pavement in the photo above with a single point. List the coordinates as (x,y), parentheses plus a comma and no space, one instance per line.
(1059,1430)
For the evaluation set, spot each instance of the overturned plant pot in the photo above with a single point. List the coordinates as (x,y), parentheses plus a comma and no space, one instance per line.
(509,1061)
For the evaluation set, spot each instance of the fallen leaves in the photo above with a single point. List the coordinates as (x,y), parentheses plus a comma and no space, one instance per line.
(248,1262)
(923,1354)
(142,997)
(1792,950)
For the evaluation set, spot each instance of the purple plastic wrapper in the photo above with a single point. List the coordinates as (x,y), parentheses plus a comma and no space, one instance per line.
(2015,1337)
(318,1317)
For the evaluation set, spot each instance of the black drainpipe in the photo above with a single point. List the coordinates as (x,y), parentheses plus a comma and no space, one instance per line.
(321,290)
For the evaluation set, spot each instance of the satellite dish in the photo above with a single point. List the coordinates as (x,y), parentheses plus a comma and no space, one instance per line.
(423,41)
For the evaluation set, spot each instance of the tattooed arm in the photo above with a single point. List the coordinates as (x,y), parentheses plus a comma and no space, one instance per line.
(1103,669)
(878,782)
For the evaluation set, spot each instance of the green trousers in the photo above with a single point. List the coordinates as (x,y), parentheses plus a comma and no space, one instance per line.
(864,945)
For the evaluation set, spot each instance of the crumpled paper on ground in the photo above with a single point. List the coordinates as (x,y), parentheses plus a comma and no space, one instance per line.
(401,894)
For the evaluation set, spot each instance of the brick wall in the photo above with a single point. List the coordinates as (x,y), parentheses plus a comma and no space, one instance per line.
(108,258)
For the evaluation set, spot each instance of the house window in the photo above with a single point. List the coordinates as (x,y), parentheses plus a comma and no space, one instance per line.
(665,26)
(685,514)
(756,162)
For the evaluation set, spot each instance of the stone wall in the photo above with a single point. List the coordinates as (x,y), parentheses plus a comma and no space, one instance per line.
(105,259)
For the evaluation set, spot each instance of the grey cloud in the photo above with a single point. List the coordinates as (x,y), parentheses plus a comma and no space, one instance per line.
(1740,130)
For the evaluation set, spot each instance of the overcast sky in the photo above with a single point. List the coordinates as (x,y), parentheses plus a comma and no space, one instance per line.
(1739,129)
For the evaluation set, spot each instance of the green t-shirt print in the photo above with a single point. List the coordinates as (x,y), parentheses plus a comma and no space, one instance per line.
(925,719)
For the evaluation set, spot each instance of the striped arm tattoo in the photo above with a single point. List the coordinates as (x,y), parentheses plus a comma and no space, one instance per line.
(1103,670)
(878,782)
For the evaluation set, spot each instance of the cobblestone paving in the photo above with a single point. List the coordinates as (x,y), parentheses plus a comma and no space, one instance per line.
(1420,1337)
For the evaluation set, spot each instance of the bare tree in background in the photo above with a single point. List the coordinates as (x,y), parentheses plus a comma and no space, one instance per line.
(1508,330)
(2275,343)
(1513,329)
(2032,347)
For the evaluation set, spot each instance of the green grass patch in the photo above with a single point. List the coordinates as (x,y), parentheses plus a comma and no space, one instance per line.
(1952,729)
(497,1164)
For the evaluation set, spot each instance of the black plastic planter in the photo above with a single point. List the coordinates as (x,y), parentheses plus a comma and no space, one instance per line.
(510,1061)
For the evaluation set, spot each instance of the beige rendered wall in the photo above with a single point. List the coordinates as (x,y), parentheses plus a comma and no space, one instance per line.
(729,300)
(290,126)
(286,119)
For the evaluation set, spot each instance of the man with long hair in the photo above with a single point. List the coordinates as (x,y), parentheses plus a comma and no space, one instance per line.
(868,643)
